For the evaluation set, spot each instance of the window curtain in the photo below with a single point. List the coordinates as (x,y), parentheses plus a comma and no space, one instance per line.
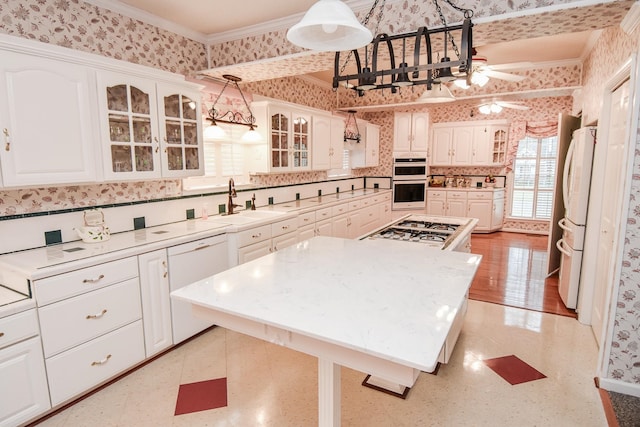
(520,129)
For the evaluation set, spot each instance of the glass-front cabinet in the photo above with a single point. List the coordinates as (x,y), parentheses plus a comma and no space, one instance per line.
(499,135)
(288,134)
(148,130)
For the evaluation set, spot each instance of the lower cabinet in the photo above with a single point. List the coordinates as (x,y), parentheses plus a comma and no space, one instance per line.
(263,240)
(156,303)
(485,205)
(23,387)
(447,203)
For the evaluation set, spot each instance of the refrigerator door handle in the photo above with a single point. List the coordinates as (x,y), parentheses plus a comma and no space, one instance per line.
(563,224)
(560,246)
(565,174)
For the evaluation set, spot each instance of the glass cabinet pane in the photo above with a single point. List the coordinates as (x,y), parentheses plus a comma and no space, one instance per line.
(191,156)
(142,130)
(191,133)
(119,128)
(172,106)
(188,108)
(139,101)
(121,158)
(275,159)
(117,99)
(174,132)
(144,158)
(174,158)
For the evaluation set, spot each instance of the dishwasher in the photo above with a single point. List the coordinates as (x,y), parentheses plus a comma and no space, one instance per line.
(189,263)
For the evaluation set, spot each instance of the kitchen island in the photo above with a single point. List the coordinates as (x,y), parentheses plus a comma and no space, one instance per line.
(380,307)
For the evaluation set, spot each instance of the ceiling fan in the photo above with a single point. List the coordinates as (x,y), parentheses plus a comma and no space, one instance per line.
(483,72)
(497,106)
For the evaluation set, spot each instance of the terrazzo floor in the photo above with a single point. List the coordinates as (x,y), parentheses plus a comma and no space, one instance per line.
(268,385)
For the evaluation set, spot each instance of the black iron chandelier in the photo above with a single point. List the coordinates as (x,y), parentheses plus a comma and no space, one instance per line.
(424,70)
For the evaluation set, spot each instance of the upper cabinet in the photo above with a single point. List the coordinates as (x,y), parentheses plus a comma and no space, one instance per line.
(148,129)
(411,132)
(327,141)
(468,144)
(288,134)
(367,152)
(47,120)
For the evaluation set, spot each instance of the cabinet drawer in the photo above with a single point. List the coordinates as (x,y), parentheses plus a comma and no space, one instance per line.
(281,227)
(323,213)
(354,205)
(340,209)
(87,365)
(87,279)
(452,195)
(480,195)
(498,194)
(436,194)
(18,327)
(79,319)
(254,235)
(306,219)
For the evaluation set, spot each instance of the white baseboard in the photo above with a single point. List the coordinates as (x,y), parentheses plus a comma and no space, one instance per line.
(523,231)
(620,386)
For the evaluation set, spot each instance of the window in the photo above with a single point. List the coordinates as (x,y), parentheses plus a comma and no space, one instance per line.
(346,166)
(534,174)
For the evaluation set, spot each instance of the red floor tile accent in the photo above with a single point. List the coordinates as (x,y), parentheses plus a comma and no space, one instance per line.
(513,370)
(201,396)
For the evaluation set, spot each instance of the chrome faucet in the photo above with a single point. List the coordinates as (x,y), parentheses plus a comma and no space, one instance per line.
(232,194)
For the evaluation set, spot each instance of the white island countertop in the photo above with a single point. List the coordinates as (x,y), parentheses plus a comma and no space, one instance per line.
(390,300)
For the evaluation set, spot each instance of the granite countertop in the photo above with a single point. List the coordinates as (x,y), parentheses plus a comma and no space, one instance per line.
(328,288)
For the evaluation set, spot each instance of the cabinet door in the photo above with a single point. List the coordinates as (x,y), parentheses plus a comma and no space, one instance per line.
(441,150)
(337,142)
(279,139)
(482,146)
(156,304)
(372,145)
(457,203)
(322,135)
(402,134)
(480,209)
(23,388)
(47,119)
(285,240)
(128,127)
(462,144)
(498,137)
(301,138)
(324,228)
(436,207)
(497,217)
(251,252)
(420,130)
(340,226)
(307,232)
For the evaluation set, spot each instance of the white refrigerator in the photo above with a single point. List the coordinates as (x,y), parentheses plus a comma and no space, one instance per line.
(575,190)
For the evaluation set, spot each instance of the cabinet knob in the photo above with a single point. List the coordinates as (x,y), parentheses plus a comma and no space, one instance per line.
(255,236)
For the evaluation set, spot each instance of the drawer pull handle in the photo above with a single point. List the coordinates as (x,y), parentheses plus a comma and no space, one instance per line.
(201,247)
(97,279)
(101,362)
(164,265)
(97,316)
(255,236)
(1,334)
(306,220)
(7,141)
(284,227)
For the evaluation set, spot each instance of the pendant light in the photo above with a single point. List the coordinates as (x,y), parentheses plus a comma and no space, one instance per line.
(329,26)
(437,93)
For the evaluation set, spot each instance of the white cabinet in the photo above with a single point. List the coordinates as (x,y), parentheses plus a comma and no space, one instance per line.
(156,306)
(468,144)
(327,141)
(485,205)
(47,120)
(24,384)
(497,215)
(436,202)
(480,206)
(148,129)
(264,239)
(410,132)
(287,130)
(367,152)
(90,323)
(447,203)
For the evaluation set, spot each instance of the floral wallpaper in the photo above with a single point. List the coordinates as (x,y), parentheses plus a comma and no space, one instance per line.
(82,26)
(610,52)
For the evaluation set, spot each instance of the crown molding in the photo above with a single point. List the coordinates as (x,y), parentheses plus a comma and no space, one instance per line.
(593,39)
(315,81)
(148,18)
(631,19)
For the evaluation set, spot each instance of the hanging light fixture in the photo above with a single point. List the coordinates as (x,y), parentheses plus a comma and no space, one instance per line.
(231,117)
(329,26)
(437,93)
(351,131)
(428,73)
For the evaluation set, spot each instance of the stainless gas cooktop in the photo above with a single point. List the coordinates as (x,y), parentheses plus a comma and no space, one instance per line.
(434,232)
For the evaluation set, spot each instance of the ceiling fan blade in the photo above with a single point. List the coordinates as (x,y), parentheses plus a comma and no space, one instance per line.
(502,76)
(512,105)
(510,66)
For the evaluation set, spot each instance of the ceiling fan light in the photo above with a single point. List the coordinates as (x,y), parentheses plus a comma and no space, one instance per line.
(495,108)
(479,79)
(437,93)
(329,26)
(485,109)
(214,132)
(461,83)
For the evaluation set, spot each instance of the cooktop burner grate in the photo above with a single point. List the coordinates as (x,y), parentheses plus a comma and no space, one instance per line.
(427,225)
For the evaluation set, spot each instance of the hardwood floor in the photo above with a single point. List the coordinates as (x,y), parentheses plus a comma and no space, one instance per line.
(513,272)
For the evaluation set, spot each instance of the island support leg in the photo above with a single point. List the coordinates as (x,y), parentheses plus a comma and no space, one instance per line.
(328,393)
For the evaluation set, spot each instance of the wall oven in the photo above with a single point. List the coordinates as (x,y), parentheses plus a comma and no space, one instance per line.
(409,183)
